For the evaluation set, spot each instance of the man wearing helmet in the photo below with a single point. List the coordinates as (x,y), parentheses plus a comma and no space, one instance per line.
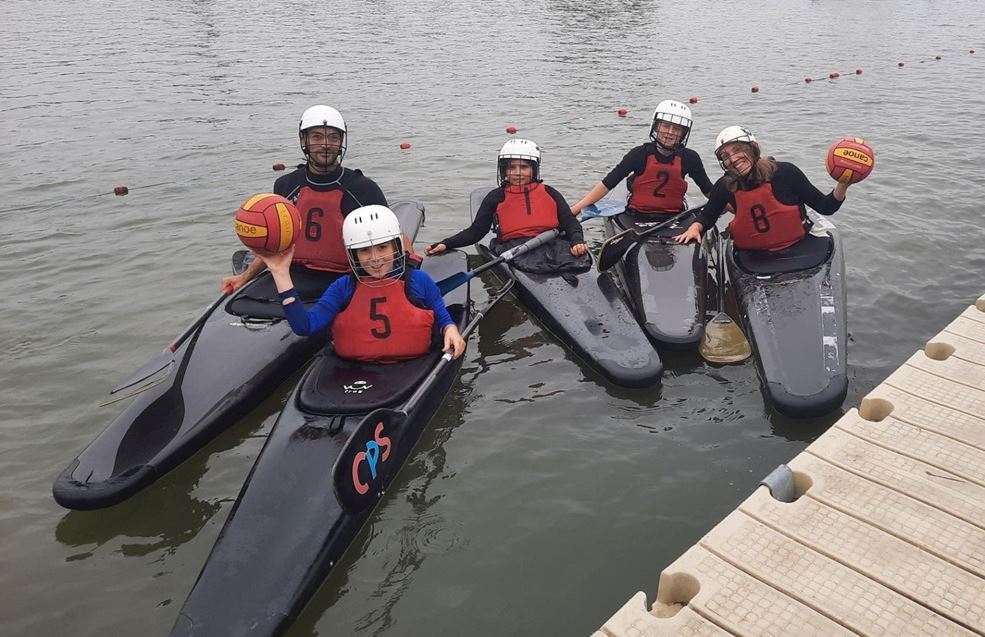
(657,169)
(384,311)
(324,193)
(768,197)
(522,207)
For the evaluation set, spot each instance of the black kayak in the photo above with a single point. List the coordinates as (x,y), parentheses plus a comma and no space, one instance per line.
(664,280)
(242,352)
(587,314)
(794,311)
(315,482)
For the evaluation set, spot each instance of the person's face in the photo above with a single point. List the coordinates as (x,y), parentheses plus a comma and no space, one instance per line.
(668,134)
(377,260)
(519,172)
(324,145)
(736,157)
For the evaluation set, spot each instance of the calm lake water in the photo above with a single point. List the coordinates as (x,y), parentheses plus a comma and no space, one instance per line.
(540,498)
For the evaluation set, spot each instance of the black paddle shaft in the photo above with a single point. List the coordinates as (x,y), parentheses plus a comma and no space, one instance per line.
(617,245)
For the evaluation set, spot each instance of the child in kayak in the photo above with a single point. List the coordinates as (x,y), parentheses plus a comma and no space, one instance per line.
(657,169)
(768,196)
(385,311)
(522,207)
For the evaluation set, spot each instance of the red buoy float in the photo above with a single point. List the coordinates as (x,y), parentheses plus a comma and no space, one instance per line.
(404,146)
(622,112)
(808,79)
(755,89)
(937,57)
(694,99)
(858,71)
(971,50)
(119,191)
(900,63)
(850,160)
(511,130)
(279,166)
(834,75)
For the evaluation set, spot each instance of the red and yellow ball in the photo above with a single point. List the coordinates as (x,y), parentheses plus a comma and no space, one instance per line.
(850,160)
(268,222)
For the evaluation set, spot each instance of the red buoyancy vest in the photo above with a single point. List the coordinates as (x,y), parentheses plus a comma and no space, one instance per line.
(381,325)
(320,244)
(526,211)
(661,187)
(762,222)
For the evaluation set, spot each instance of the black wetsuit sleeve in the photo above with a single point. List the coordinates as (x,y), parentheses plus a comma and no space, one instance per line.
(566,221)
(480,225)
(359,191)
(717,200)
(634,162)
(289,184)
(803,191)
(694,169)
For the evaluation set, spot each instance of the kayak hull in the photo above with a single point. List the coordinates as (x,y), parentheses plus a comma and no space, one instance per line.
(289,526)
(220,375)
(797,325)
(664,281)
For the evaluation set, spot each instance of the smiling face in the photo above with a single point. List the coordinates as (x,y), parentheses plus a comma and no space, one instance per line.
(737,158)
(519,172)
(668,135)
(377,260)
(324,144)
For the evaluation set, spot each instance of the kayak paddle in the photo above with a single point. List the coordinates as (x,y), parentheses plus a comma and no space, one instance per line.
(162,364)
(723,341)
(602,208)
(455,280)
(618,244)
(362,470)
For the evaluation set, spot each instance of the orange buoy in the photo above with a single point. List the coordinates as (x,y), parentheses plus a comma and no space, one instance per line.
(622,112)
(279,166)
(511,130)
(694,99)
(755,89)
(808,79)
(834,75)
(900,63)
(120,191)
(858,71)
(404,146)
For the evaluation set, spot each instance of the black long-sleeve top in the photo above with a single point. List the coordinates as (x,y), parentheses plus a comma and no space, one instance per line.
(634,162)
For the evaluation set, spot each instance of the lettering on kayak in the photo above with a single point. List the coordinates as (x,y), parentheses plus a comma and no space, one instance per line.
(372,457)
(357,387)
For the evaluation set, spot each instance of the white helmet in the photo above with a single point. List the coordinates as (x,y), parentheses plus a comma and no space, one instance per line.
(732,134)
(369,226)
(518,149)
(676,113)
(321,115)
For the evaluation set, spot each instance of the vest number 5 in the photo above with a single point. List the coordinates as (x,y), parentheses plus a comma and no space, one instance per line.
(374,315)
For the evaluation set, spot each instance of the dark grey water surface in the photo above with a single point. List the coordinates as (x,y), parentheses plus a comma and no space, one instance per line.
(540,498)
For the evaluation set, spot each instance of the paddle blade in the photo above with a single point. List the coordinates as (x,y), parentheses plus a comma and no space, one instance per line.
(152,372)
(724,341)
(369,459)
(602,208)
(447,285)
(615,247)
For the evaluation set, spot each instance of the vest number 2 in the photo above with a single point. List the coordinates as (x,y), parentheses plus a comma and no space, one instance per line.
(374,315)
(662,178)
(759,219)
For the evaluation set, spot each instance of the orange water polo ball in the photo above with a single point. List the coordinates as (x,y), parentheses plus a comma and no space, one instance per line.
(850,160)
(268,222)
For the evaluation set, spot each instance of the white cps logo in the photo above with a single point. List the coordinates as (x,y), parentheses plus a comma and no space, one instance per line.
(357,387)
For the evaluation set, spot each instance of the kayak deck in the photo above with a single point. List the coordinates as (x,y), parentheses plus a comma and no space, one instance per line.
(220,375)
(289,525)
(797,323)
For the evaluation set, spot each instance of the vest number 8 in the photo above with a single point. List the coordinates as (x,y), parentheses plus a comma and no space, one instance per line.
(759,219)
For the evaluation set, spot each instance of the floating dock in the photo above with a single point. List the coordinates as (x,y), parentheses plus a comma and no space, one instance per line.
(877,528)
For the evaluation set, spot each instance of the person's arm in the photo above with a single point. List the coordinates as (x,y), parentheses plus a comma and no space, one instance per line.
(423,287)
(230,284)
(633,161)
(474,233)
(323,312)
(568,223)
(806,192)
(695,169)
(719,198)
